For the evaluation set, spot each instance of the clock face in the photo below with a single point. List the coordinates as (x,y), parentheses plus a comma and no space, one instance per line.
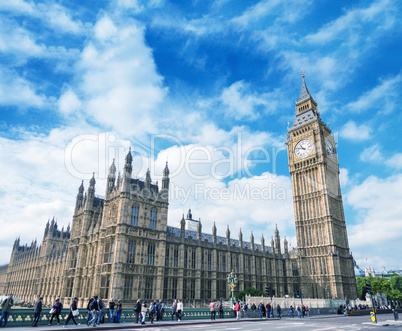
(330,148)
(303,148)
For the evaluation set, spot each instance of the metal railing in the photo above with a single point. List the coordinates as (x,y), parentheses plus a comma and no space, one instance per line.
(25,316)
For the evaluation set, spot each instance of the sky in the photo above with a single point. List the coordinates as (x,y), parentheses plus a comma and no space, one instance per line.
(210,88)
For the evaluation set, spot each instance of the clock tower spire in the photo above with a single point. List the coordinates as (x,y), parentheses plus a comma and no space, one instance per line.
(323,250)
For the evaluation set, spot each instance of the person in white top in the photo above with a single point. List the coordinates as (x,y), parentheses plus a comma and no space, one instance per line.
(179,310)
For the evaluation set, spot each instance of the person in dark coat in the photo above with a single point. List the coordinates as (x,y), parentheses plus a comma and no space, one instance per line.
(73,307)
(137,311)
(279,310)
(95,310)
(119,310)
(5,310)
(37,311)
(112,306)
(220,308)
(57,307)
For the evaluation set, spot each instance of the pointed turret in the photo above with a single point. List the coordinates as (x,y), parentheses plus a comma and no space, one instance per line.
(80,196)
(252,241)
(262,243)
(182,227)
(240,239)
(199,229)
(227,236)
(46,229)
(214,234)
(118,182)
(305,101)
(111,178)
(304,93)
(53,225)
(128,169)
(148,179)
(285,246)
(68,227)
(277,241)
(189,215)
(91,192)
(272,245)
(165,178)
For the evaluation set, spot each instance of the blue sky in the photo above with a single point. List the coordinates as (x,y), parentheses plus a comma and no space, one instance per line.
(210,87)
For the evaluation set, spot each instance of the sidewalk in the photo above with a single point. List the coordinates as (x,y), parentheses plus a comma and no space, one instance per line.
(132,325)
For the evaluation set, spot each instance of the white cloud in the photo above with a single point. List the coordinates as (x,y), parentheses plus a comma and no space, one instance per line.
(256,12)
(53,15)
(354,132)
(18,92)
(59,18)
(104,28)
(353,22)
(69,102)
(378,220)
(395,161)
(372,154)
(119,84)
(241,104)
(383,97)
(15,39)
(17,6)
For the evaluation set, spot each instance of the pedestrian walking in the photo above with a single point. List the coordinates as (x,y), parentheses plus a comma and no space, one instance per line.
(37,311)
(174,309)
(279,310)
(161,310)
(253,308)
(299,312)
(260,309)
(396,317)
(144,309)
(237,310)
(89,304)
(94,310)
(245,308)
(137,311)
(220,308)
(212,309)
(152,311)
(112,306)
(101,306)
(5,310)
(119,310)
(268,309)
(291,312)
(307,311)
(55,311)
(180,310)
(73,312)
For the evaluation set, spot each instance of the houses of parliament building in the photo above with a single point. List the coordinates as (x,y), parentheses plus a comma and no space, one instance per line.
(122,247)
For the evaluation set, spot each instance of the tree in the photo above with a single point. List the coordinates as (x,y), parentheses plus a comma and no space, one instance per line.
(392,287)
(249,291)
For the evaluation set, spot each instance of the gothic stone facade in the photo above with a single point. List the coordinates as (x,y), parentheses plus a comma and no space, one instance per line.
(122,247)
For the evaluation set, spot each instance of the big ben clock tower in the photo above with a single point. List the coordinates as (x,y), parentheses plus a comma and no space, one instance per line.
(325,263)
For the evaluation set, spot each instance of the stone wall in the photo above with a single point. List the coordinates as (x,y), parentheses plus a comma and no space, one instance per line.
(3,274)
(311,303)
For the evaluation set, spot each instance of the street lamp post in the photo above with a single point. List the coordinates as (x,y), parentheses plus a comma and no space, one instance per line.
(232,282)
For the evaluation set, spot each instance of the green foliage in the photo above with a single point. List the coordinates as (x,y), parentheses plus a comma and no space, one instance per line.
(249,291)
(391,286)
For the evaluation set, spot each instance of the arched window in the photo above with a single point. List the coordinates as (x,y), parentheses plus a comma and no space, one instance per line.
(153,218)
(135,210)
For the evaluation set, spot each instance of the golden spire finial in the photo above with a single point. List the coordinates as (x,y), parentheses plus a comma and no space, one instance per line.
(302,72)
